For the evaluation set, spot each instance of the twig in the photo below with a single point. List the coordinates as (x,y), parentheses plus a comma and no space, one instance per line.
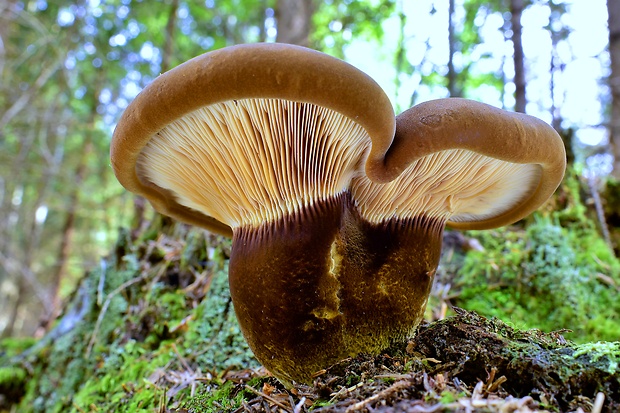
(600,212)
(396,387)
(181,358)
(598,403)
(271,399)
(344,390)
(300,405)
(104,309)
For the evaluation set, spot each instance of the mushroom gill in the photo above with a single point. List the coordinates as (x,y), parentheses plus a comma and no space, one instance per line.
(251,161)
(450,185)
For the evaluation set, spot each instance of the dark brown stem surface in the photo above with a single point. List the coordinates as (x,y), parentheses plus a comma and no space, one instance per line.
(323,284)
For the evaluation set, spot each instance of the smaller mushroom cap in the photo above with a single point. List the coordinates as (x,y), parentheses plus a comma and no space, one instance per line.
(464,162)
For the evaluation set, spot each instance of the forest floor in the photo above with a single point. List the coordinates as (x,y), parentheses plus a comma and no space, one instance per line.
(153,330)
(466,363)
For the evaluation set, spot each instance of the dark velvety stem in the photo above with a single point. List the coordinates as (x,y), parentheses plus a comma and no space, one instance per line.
(323,284)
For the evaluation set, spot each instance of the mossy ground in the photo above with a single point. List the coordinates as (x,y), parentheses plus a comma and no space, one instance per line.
(153,329)
(134,332)
(555,273)
(463,363)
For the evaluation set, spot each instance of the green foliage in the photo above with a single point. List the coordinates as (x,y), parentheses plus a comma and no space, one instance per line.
(337,22)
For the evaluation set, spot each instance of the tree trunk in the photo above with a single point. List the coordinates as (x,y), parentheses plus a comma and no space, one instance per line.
(613,8)
(453,88)
(555,68)
(169,42)
(66,243)
(294,21)
(516,8)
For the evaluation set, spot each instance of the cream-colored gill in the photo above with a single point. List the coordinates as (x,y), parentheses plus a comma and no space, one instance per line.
(452,185)
(249,161)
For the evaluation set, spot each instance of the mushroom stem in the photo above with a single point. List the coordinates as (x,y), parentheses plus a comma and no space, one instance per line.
(323,284)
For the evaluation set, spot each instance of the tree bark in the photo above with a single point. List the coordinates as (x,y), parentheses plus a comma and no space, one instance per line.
(68,228)
(516,9)
(294,21)
(453,88)
(555,68)
(613,8)
(169,42)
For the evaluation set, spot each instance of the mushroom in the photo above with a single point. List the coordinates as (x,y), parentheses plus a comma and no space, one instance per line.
(335,206)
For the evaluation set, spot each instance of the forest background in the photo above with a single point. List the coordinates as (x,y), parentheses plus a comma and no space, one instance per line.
(68,69)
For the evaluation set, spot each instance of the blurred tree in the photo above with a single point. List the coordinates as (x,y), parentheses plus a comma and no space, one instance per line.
(32,125)
(454,89)
(559,33)
(613,8)
(67,69)
(516,10)
(294,18)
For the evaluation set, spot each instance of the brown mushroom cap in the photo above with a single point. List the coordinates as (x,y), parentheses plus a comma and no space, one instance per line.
(472,164)
(162,141)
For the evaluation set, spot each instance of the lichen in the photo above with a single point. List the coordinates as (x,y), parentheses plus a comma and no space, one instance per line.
(601,351)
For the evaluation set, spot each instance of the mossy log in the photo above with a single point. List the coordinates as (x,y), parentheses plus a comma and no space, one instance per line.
(533,362)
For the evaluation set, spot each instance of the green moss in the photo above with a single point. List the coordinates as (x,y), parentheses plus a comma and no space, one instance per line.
(320,403)
(121,383)
(216,396)
(558,273)
(12,346)
(11,375)
(546,277)
(213,398)
(215,338)
(448,397)
(210,339)
(144,318)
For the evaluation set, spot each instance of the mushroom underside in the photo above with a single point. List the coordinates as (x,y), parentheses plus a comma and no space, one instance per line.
(247,162)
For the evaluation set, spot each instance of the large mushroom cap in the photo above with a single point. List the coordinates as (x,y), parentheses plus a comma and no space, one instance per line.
(249,133)
(466,163)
